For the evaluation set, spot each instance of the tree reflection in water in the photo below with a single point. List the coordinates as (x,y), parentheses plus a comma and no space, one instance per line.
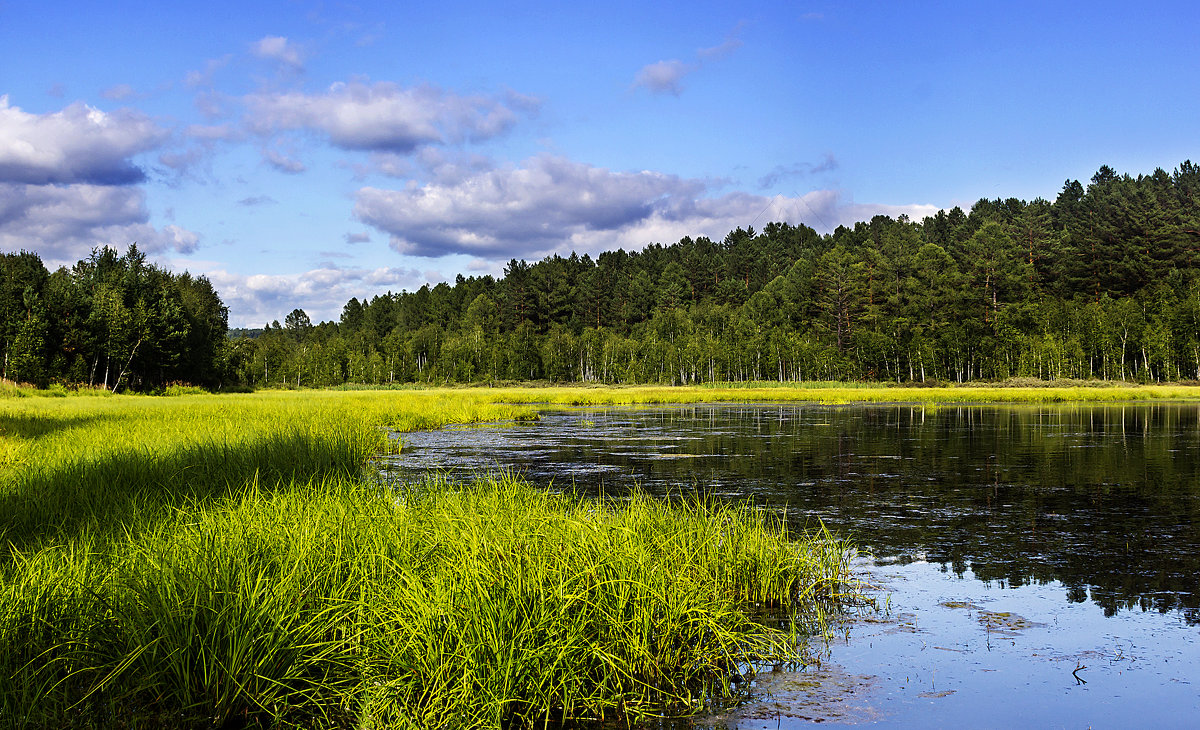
(1103,498)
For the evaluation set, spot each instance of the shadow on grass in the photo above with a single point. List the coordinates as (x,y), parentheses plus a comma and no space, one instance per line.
(121,492)
(36,425)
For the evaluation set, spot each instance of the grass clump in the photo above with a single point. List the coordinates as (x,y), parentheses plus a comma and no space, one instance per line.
(522,605)
(475,605)
(11,389)
(178,389)
(220,561)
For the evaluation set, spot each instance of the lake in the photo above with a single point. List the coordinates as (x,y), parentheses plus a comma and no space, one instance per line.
(1033,565)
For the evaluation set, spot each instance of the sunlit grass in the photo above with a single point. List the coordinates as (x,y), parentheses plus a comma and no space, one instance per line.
(208,560)
(221,560)
(839,394)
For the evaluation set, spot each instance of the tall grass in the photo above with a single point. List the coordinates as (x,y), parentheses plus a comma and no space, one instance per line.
(842,393)
(475,607)
(219,561)
(85,463)
(10,389)
(520,604)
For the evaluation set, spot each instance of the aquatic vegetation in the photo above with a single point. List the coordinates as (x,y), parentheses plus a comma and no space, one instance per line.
(220,560)
(544,606)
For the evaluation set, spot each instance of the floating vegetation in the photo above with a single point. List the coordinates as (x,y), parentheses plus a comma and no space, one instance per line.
(960,604)
(818,694)
(1000,623)
(1004,623)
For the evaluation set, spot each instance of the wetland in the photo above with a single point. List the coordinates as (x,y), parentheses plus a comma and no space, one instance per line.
(1034,563)
(233,561)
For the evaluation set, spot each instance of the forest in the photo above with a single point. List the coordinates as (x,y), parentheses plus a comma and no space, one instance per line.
(1101,283)
(111,321)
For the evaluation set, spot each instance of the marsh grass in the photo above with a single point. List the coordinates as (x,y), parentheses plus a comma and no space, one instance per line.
(10,389)
(460,605)
(220,561)
(80,464)
(844,393)
(796,385)
(545,606)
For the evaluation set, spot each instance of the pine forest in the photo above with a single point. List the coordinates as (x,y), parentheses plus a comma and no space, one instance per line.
(1101,283)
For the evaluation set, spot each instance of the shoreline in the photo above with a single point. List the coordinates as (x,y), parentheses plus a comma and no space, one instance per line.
(199,559)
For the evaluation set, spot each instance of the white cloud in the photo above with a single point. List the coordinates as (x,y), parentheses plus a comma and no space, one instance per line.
(260,298)
(278,48)
(199,143)
(448,167)
(718,52)
(63,223)
(283,163)
(780,173)
(212,133)
(211,104)
(664,77)
(384,116)
(179,239)
(852,213)
(196,79)
(525,210)
(120,92)
(481,267)
(391,164)
(552,205)
(79,144)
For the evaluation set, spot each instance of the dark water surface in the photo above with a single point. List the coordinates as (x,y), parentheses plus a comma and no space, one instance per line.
(1039,565)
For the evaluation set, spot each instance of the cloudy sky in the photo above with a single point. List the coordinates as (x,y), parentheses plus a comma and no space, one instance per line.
(301,153)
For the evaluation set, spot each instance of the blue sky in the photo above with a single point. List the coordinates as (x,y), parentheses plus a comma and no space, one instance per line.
(301,153)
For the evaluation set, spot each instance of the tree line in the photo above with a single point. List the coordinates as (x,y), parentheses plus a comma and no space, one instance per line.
(1103,282)
(110,321)
(1100,283)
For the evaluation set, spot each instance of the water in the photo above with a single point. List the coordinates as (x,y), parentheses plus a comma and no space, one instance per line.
(1039,565)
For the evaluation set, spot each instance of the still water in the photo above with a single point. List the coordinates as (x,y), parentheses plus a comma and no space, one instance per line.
(1036,565)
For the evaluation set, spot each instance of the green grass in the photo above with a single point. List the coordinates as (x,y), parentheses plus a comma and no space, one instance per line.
(794,385)
(9,389)
(226,560)
(840,393)
(210,561)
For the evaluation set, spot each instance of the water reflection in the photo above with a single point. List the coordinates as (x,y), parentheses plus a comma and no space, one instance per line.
(1103,499)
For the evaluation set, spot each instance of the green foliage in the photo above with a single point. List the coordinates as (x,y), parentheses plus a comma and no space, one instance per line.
(1100,284)
(111,321)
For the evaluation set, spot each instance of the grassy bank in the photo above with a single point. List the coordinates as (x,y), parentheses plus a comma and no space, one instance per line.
(840,393)
(219,561)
